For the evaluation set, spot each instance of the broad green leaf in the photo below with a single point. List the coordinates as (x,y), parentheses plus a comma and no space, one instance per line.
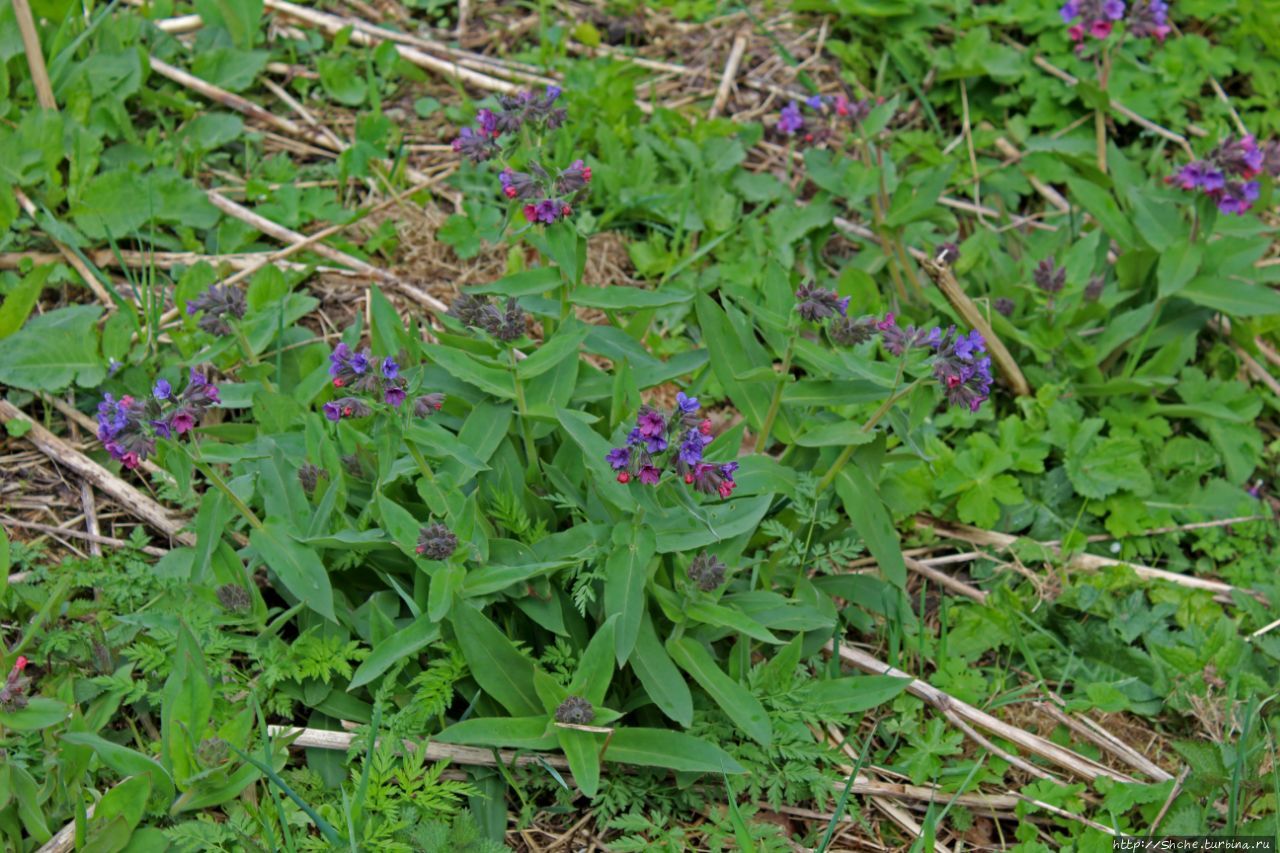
(1178,265)
(684,530)
(582,749)
(670,749)
(1232,296)
(187,708)
(727,617)
(625,574)
(462,366)
(54,350)
(849,695)
(1107,466)
(22,298)
(866,509)
(538,280)
(127,800)
(619,298)
(409,640)
(296,565)
(446,584)
(509,732)
(661,680)
(125,761)
(1102,205)
(498,667)
(733,351)
(595,668)
(564,344)
(838,434)
(40,712)
(594,449)
(735,700)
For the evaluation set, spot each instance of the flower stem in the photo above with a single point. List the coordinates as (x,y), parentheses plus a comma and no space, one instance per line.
(531,454)
(1099,115)
(221,485)
(847,453)
(249,357)
(762,442)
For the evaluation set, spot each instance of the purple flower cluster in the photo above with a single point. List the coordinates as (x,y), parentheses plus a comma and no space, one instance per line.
(361,373)
(960,366)
(129,427)
(505,323)
(514,112)
(1049,277)
(958,363)
(218,303)
(546,199)
(675,441)
(1097,18)
(1226,174)
(791,120)
(815,304)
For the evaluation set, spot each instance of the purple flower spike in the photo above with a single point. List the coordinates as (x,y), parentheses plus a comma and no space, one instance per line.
(790,121)
(162,389)
(394,397)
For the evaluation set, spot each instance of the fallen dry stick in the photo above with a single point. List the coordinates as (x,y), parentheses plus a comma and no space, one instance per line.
(71,257)
(730,74)
(1096,734)
(75,534)
(1087,562)
(471,755)
(946,282)
(121,492)
(978,719)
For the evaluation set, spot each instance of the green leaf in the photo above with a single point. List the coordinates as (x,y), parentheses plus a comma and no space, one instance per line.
(735,700)
(849,695)
(670,749)
(564,344)
(733,351)
(840,433)
(1232,295)
(625,573)
(125,761)
(498,667)
(53,350)
(539,280)
(1102,205)
(727,617)
(1108,466)
(22,298)
(661,680)
(40,712)
(866,509)
(446,584)
(510,732)
(1178,265)
(187,707)
(683,531)
(409,640)
(127,800)
(296,565)
(462,366)
(595,668)
(594,449)
(618,298)
(582,749)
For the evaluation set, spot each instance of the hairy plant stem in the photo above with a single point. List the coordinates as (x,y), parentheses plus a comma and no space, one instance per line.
(533,464)
(221,485)
(762,441)
(1100,115)
(879,201)
(847,453)
(249,358)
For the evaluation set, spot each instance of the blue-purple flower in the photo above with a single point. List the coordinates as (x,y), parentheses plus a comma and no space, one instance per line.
(390,370)
(1226,174)
(128,427)
(815,304)
(790,121)
(675,441)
